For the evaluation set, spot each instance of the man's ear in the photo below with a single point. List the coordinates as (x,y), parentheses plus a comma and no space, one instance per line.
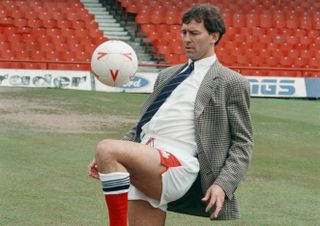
(215,37)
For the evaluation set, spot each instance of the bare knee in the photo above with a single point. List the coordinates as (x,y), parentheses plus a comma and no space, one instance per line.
(106,149)
(107,156)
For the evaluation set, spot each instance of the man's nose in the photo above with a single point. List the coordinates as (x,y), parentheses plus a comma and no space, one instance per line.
(186,37)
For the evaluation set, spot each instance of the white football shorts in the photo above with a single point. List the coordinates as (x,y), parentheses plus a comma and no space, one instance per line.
(182,170)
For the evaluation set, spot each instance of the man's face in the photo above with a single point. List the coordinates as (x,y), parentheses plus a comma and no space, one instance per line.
(197,42)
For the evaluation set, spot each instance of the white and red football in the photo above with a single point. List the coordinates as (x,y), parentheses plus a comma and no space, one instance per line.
(114,63)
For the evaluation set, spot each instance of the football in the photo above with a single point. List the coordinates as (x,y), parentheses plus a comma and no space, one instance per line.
(114,63)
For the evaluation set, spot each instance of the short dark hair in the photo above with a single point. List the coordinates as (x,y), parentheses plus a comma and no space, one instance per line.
(210,15)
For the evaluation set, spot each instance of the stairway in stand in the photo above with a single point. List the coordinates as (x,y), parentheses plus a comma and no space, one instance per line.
(114,29)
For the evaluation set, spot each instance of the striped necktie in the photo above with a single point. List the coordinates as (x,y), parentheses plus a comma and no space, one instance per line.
(163,95)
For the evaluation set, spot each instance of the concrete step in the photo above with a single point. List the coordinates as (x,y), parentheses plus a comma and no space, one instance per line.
(123,38)
(89,5)
(115,33)
(106,20)
(108,28)
(96,9)
(114,30)
(113,25)
(89,1)
(103,17)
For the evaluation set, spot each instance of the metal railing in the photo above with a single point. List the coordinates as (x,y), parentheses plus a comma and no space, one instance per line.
(50,64)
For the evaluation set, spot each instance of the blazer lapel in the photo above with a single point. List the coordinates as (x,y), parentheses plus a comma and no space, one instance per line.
(206,88)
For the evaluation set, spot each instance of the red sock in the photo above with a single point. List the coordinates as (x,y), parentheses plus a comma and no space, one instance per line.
(118,209)
(115,188)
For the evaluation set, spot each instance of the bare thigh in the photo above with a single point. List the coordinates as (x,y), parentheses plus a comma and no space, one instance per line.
(141,213)
(141,161)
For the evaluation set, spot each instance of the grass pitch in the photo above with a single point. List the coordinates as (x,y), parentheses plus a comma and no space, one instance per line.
(48,136)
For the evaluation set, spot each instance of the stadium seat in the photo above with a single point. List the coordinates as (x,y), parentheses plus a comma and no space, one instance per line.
(34,23)
(292,22)
(266,20)
(316,23)
(142,18)
(164,50)
(177,49)
(313,62)
(160,42)
(49,23)
(272,61)
(238,20)
(171,19)
(279,20)
(157,17)
(19,22)
(306,22)
(64,24)
(300,62)
(252,20)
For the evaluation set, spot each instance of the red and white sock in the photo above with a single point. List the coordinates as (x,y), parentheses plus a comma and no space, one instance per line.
(115,188)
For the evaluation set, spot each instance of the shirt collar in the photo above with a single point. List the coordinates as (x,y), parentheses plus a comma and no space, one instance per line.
(205,62)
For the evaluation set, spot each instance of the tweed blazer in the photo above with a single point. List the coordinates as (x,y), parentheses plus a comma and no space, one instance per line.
(223,135)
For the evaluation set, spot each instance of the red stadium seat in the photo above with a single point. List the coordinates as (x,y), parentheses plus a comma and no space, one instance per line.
(272,61)
(34,23)
(266,20)
(313,62)
(300,62)
(177,49)
(279,20)
(157,17)
(49,23)
(316,23)
(63,24)
(238,20)
(160,42)
(306,22)
(21,55)
(286,61)
(37,55)
(142,18)
(292,40)
(227,18)
(172,19)
(164,50)
(252,20)
(20,22)
(292,22)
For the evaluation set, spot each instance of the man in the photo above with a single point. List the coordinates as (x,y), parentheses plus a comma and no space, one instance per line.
(202,127)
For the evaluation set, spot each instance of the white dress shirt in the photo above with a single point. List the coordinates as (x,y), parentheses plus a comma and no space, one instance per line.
(174,121)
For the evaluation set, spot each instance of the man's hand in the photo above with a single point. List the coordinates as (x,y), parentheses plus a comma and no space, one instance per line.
(93,169)
(215,195)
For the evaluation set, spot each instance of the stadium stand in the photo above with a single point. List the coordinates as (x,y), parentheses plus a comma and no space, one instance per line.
(47,31)
(266,37)
(273,34)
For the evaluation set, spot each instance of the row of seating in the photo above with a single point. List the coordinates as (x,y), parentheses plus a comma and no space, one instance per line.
(259,33)
(285,39)
(79,15)
(264,20)
(45,66)
(290,7)
(58,31)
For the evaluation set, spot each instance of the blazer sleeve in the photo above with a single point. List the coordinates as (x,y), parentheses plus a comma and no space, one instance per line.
(240,151)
